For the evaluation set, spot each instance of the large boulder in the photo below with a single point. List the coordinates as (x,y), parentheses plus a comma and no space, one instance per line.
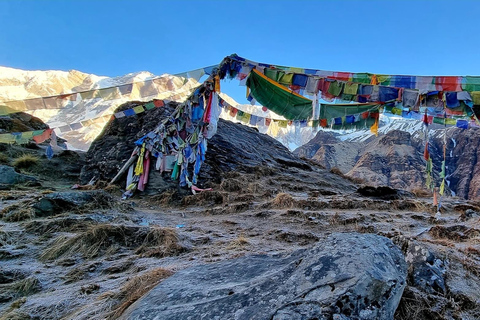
(347,276)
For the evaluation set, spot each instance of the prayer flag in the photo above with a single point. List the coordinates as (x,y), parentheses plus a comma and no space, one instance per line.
(138,109)
(129,112)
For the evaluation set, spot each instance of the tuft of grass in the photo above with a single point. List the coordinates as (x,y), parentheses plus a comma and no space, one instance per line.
(283,200)
(238,243)
(25,161)
(335,220)
(107,239)
(17,212)
(160,242)
(26,286)
(135,288)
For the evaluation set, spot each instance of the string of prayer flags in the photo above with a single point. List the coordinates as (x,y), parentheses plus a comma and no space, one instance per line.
(40,136)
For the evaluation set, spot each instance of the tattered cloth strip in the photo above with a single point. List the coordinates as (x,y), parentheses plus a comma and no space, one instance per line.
(277,98)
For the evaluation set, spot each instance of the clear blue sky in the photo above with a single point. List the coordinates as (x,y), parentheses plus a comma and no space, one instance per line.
(112,38)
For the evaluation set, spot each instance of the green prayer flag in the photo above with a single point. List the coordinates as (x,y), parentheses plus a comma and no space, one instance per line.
(278,98)
(150,106)
(438,120)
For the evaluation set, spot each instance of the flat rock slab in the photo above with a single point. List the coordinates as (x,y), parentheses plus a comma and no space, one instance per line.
(346,276)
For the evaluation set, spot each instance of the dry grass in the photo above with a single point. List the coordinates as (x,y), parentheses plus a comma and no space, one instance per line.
(21,288)
(233,185)
(136,288)
(4,159)
(15,315)
(17,212)
(422,193)
(471,251)
(416,305)
(355,180)
(335,220)
(26,286)
(107,239)
(25,161)
(471,266)
(336,171)
(206,198)
(166,198)
(283,200)
(61,224)
(160,242)
(239,243)
(454,233)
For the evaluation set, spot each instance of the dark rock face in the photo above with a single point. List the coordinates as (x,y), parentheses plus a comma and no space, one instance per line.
(20,121)
(347,276)
(462,160)
(309,149)
(8,176)
(391,160)
(396,158)
(115,144)
(383,192)
(236,147)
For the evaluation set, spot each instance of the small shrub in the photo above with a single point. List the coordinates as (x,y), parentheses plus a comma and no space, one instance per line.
(336,171)
(25,161)
(283,200)
(238,243)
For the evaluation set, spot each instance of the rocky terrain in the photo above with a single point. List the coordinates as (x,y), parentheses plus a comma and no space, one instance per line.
(396,158)
(279,237)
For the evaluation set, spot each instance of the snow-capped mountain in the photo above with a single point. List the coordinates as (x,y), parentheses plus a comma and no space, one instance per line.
(18,85)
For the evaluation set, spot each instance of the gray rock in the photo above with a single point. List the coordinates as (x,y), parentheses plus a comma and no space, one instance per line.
(8,176)
(426,271)
(57,202)
(347,276)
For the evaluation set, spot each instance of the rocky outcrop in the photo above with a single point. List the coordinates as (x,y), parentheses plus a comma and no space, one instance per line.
(347,276)
(234,147)
(392,160)
(309,149)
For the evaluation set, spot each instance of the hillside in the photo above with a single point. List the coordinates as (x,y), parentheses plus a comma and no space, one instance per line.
(85,254)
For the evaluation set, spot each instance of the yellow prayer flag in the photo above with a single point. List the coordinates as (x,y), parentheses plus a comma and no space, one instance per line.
(138,109)
(7,138)
(374,128)
(450,121)
(475,97)
(442,187)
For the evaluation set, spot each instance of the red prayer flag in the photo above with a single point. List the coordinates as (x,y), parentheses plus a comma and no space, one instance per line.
(426,154)
(44,136)
(158,103)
